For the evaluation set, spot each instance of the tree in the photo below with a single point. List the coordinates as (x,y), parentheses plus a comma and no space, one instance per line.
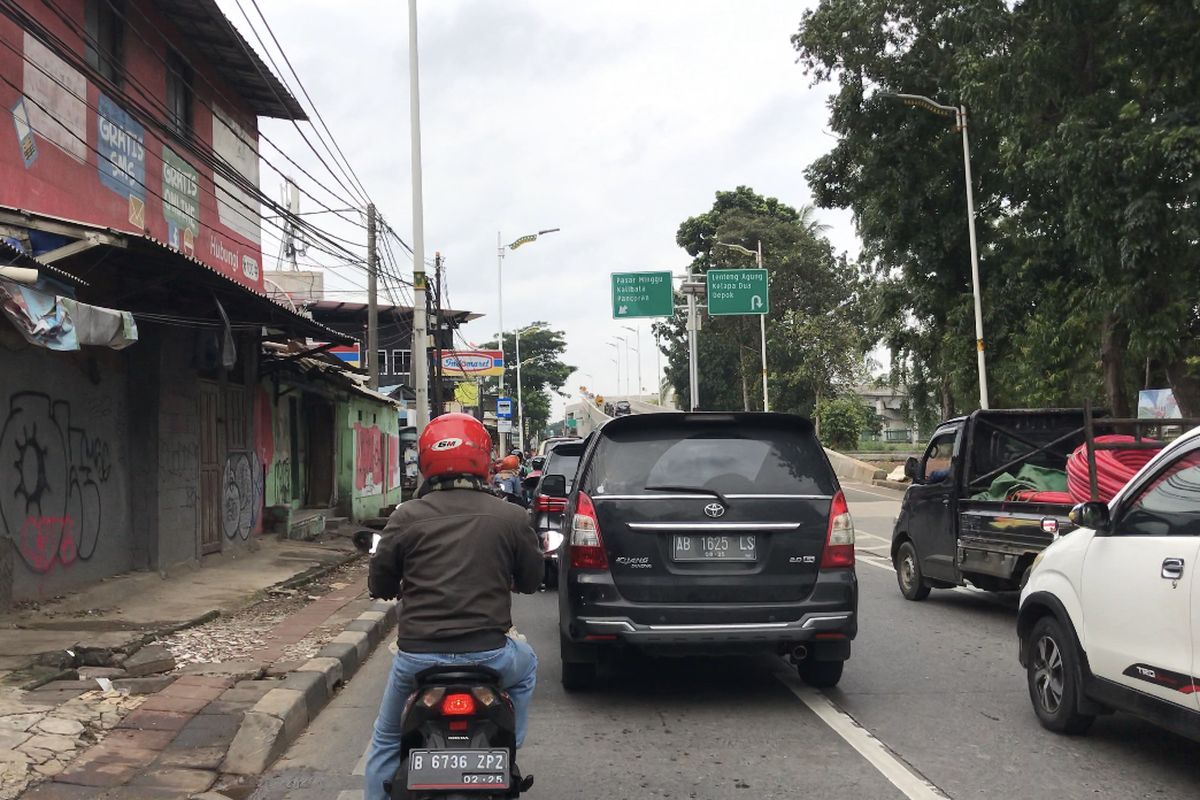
(542,370)
(1085,130)
(843,420)
(812,296)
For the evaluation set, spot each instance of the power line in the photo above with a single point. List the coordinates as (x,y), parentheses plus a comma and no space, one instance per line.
(353,175)
(209,158)
(221,95)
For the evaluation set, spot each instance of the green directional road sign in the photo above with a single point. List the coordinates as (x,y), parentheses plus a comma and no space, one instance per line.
(642,294)
(737,291)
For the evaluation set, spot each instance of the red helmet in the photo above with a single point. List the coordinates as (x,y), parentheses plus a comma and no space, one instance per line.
(509,463)
(454,444)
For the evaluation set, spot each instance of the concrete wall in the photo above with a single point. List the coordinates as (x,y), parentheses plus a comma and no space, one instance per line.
(65,507)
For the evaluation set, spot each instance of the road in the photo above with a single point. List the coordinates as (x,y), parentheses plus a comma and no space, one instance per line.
(932,704)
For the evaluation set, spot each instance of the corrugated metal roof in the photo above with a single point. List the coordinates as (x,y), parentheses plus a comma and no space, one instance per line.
(211,32)
(340,376)
(12,257)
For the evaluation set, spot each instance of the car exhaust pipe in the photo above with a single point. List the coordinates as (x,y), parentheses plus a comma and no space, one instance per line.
(799,653)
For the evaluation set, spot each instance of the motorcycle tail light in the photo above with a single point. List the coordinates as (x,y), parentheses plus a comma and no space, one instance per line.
(458,704)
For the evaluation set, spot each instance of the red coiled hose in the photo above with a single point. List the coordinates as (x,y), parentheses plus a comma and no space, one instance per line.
(1114,468)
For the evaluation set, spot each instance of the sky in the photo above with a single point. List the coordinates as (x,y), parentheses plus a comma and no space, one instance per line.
(613,121)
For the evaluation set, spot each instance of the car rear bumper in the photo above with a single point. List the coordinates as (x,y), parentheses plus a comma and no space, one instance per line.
(598,614)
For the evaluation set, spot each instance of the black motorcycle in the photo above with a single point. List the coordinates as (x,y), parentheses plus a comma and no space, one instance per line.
(459,732)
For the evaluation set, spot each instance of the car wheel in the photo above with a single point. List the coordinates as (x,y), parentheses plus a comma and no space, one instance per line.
(908,573)
(1053,675)
(578,667)
(821,674)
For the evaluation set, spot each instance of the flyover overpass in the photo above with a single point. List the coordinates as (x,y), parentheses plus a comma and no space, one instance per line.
(590,417)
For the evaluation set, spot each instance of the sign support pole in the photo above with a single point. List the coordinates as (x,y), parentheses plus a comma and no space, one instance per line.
(420,345)
(762,323)
(693,376)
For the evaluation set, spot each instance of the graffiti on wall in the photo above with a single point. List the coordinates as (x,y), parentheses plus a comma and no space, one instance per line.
(53,512)
(395,472)
(241,495)
(368,460)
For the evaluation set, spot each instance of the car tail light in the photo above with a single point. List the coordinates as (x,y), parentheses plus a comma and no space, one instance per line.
(587,548)
(551,504)
(458,705)
(839,539)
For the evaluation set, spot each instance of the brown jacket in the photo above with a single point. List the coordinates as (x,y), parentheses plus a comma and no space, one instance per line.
(454,556)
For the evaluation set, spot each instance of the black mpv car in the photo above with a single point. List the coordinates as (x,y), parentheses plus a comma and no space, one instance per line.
(704,533)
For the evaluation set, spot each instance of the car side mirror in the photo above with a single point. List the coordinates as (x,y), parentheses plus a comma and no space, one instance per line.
(911,467)
(1091,515)
(554,485)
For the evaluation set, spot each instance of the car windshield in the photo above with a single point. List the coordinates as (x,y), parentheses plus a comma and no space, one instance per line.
(562,464)
(750,459)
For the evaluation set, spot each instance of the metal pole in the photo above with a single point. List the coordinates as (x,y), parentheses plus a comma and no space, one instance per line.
(979,349)
(693,377)
(500,318)
(658,375)
(762,323)
(520,404)
(420,346)
(372,302)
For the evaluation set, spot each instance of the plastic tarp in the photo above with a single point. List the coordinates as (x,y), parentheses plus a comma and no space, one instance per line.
(60,323)
(1028,478)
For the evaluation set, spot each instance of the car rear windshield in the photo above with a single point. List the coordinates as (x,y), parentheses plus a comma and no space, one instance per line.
(730,457)
(562,464)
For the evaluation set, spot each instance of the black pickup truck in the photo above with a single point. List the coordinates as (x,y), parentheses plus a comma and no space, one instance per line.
(947,535)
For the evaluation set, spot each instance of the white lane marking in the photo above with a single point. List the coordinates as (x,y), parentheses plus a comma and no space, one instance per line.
(858,488)
(861,532)
(872,562)
(910,782)
(973,591)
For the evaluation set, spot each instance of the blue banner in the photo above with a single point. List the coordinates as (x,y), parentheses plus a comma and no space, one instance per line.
(122,151)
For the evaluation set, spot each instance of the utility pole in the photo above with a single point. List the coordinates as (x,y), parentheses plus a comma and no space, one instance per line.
(439,407)
(372,302)
(500,319)
(693,287)
(420,345)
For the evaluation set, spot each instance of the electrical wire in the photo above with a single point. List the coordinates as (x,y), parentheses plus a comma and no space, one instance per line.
(218,165)
(256,220)
(221,95)
(353,176)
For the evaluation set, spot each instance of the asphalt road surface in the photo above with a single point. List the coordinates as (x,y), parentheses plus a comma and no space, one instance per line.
(932,704)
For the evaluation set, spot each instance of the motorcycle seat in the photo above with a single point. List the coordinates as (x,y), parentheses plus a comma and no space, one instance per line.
(457,673)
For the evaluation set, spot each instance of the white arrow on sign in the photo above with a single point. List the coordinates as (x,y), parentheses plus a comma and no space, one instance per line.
(623,310)
(756,302)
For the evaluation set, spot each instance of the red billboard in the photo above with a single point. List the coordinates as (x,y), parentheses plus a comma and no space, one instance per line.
(82,153)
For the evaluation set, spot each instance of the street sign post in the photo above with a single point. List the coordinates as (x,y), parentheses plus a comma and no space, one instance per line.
(503,408)
(737,291)
(642,294)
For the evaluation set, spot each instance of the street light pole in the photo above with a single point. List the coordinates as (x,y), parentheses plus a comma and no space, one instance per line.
(520,400)
(637,332)
(959,113)
(420,345)
(624,340)
(617,361)
(520,240)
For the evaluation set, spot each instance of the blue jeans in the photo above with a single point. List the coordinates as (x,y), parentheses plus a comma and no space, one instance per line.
(517,664)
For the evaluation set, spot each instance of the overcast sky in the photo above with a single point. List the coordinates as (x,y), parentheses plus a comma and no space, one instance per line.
(614,121)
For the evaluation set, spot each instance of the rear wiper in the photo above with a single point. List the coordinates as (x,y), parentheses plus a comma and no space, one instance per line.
(700,489)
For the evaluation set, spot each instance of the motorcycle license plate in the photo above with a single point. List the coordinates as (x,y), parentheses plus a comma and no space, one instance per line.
(716,548)
(430,770)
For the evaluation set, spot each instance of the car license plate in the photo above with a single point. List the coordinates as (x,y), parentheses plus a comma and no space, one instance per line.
(716,548)
(457,769)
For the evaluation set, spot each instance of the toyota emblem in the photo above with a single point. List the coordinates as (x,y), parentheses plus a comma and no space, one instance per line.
(714,510)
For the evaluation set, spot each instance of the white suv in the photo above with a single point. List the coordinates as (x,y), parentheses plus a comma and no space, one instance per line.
(1110,617)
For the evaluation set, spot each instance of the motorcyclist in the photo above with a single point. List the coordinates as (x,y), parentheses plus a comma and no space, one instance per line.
(508,479)
(454,553)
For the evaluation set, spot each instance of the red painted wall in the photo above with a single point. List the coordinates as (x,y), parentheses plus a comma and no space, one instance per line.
(69,184)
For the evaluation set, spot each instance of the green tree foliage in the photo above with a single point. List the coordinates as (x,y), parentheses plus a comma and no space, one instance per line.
(815,338)
(842,421)
(542,371)
(1085,133)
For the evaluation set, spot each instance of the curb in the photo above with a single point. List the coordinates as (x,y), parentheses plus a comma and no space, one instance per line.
(282,714)
(886,484)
